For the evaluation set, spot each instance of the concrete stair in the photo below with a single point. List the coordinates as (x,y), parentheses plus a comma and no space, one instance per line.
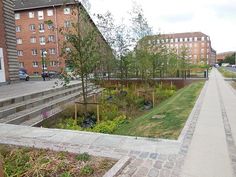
(33,108)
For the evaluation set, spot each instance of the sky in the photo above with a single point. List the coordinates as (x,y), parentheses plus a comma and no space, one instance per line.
(216,18)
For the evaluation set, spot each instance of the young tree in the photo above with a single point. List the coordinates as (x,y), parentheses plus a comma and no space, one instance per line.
(82,47)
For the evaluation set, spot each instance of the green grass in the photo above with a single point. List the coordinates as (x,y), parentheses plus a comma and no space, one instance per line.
(175,111)
(226,73)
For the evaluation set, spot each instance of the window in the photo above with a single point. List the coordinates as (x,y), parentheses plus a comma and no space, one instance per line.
(186,39)
(51,38)
(52,51)
(195,38)
(181,39)
(40,15)
(41,27)
(203,38)
(202,50)
(34,52)
(36,73)
(17,16)
(35,64)
(172,40)
(158,41)
(50,12)
(66,10)
(32,27)
(33,40)
(54,63)
(42,51)
(190,39)
(31,14)
(21,64)
(42,40)
(176,40)
(19,53)
(203,44)
(67,24)
(18,29)
(167,40)
(19,41)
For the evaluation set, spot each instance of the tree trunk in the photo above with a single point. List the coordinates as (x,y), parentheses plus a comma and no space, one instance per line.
(84,92)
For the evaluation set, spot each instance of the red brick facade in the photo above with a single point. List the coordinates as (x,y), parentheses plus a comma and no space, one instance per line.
(29,52)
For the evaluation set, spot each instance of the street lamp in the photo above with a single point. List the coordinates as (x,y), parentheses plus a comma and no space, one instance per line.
(44,54)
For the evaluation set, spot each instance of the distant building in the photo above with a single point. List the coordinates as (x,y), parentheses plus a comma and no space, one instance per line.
(197,45)
(35,35)
(221,56)
(8,60)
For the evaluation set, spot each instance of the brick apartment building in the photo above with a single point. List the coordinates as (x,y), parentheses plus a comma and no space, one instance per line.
(35,35)
(221,56)
(8,59)
(197,45)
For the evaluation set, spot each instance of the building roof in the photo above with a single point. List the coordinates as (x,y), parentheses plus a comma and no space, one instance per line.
(184,35)
(35,4)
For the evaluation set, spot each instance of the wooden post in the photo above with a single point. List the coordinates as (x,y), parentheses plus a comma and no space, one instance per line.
(94,98)
(171,84)
(76,114)
(98,118)
(153,99)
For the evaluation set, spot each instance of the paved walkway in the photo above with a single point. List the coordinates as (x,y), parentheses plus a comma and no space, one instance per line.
(26,88)
(205,148)
(212,152)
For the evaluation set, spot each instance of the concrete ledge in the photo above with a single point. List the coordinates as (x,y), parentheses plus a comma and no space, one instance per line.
(118,167)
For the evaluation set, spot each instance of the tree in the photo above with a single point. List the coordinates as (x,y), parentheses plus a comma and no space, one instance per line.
(82,47)
(231,59)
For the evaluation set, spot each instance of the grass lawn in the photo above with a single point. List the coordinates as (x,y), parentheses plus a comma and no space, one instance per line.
(19,162)
(170,116)
(226,73)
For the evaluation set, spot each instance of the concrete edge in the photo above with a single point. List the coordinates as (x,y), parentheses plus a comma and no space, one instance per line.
(118,167)
(191,115)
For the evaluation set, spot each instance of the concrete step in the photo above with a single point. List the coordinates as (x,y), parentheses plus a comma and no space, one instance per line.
(17,107)
(37,121)
(41,110)
(27,96)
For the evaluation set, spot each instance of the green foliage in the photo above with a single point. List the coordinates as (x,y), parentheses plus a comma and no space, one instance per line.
(109,126)
(83,157)
(66,174)
(227,73)
(87,170)
(108,111)
(230,59)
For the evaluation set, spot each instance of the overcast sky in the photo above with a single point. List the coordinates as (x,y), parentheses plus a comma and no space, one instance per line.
(216,18)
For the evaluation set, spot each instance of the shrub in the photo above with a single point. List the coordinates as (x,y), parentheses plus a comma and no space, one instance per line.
(83,157)
(108,111)
(87,170)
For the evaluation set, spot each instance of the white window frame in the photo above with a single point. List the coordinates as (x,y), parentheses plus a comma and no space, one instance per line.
(67,10)
(41,27)
(18,29)
(67,24)
(17,16)
(34,52)
(32,27)
(52,51)
(19,53)
(33,40)
(35,64)
(50,12)
(42,40)
(31,14)
(40,15)
(19,41)
(21,64)
(51,38)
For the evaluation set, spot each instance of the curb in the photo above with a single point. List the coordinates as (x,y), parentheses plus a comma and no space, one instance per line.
(118,167)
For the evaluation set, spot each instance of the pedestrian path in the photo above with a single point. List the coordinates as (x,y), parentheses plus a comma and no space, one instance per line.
(27,88)
(212,149)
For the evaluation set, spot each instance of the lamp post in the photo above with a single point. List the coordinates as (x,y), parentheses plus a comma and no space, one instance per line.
(44,54)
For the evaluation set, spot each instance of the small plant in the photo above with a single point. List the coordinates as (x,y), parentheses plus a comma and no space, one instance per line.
(83,157)
(66,174)
(87,170)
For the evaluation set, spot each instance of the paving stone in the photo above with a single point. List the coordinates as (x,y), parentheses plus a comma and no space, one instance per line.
(136,162)
(142,171)
(144,155)
(147,163)
(162,157)
(134,152)
(153,156)
(131,170)
(158,164)
(153,172)
(164,173)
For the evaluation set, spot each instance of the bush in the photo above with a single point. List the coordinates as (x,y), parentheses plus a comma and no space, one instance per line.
(83,157)
(109,126)
(108,111)
(87,170)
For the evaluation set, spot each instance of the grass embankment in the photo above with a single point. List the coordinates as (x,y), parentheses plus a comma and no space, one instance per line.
(226,73)
(19,162)
(167,119)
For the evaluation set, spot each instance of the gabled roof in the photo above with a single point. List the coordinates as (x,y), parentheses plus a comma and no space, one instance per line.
(35,4)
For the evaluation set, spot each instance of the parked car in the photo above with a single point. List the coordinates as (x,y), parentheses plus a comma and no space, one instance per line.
(23,74)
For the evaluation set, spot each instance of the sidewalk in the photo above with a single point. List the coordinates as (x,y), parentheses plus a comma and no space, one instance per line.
(26,88)
(212,149)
